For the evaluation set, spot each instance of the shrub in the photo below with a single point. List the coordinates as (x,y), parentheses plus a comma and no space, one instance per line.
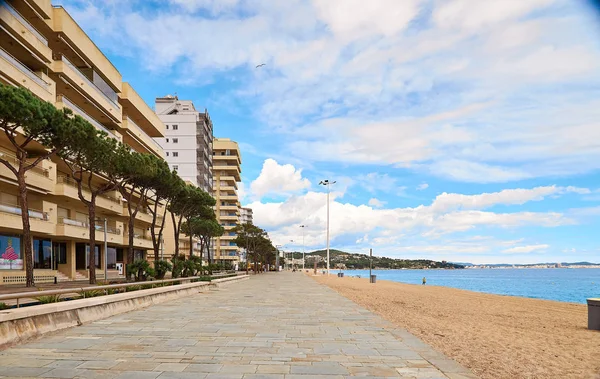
(91,293)
(47,299)
(192,266)
(161,268)
(177,270)
(4,306)
(146,286)
(132,288)
(141,270)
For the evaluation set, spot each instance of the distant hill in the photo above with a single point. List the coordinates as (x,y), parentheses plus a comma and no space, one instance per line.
(361,261)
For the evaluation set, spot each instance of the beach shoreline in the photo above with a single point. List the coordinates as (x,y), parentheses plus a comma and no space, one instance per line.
(496,336)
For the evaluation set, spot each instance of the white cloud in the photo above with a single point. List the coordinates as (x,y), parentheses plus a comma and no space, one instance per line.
(422,186)
(376,203)
(526,249)
(278,179)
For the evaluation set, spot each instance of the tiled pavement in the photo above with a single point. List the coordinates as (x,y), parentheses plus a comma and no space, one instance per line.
(274,326)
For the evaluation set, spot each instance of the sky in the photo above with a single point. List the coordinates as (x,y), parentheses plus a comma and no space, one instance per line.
(457,130)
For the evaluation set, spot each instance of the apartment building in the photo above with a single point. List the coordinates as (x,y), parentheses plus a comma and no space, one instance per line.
(43,49)
(246,216)
(226,171)
(188,140)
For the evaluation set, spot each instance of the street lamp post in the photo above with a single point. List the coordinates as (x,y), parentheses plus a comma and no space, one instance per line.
(327,183)
(291,257)
(303,226)
(278,254)
(105,251)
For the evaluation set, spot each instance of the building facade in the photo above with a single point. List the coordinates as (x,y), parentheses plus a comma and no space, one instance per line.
(226,171)
(43,49)
(246,216)
(188,140)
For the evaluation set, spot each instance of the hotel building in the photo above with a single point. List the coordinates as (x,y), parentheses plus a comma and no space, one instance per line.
(43,49)
(227,171)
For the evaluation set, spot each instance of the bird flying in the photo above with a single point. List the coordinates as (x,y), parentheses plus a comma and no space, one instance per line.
(260,65)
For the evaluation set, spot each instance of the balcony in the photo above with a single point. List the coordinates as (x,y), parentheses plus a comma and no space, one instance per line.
(66,186)
(226,158)
(138,139)
(228,197)
(73,42)
(40,222)
(228,207)
(64,102)
(41,177)
(142,215)
(137,109)
(141,241)
(228,218)
(96,103)
(77,229)
(16,73)
(25,33)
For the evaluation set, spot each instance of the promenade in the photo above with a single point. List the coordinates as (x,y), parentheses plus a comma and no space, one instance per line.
(274,326)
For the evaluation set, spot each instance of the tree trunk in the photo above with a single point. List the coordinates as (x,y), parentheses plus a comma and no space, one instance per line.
(131,227)
(175,234)
(27,240)
(92,253)
(191,243)
(153,234)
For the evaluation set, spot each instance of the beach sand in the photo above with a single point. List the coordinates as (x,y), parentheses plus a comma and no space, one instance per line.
(495,336)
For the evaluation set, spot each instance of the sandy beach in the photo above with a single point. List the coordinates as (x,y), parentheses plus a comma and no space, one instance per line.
(495,336)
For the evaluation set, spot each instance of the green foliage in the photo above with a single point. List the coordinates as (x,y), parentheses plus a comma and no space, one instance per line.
(132,288)
(47,299)
(141,270)
(361,261)
(178,262)
(4,306)
(147,286)
(91,293)
(161,267)
(192,266)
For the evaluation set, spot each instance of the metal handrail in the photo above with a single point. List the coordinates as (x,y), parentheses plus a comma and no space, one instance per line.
(24,21)
(24,69)
(85,224)
(11,158)
(139,130)
(65,100)
(88,81)
(71,182)
(34,294)
(12,209)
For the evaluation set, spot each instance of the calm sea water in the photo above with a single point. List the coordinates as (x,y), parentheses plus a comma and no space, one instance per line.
(571,285)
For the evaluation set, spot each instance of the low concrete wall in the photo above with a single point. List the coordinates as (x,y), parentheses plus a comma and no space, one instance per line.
(220,282)
(17,325)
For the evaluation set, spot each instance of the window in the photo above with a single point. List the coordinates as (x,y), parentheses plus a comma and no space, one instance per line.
(42,254)
(175,140)
(167,153)
(175,154)
(175,127)
(60,253)
(175,167)
(111,258)
(10,253)
(167,127)
(167,140)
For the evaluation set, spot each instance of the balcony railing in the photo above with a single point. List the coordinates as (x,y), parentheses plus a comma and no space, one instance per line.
(141,236)
(88,81)
(24,21)
(73,183)
(12,159)
(139,130)
(24,69)
(85,224)
(11,209)
(69,104)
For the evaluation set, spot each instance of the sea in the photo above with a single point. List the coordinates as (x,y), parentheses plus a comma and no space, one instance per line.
(560,284)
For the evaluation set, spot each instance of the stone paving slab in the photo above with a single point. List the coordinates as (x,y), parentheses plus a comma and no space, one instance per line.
(274,326)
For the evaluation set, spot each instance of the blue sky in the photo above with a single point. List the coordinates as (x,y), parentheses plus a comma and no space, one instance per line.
(460,130)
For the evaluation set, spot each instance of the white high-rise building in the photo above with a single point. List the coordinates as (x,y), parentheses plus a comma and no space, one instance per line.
(246,216)
(188,140)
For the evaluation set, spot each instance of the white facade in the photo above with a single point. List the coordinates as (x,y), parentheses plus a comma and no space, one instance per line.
(188,140)
(246,216)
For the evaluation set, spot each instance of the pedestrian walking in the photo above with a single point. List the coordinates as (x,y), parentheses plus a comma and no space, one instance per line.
(424,281)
